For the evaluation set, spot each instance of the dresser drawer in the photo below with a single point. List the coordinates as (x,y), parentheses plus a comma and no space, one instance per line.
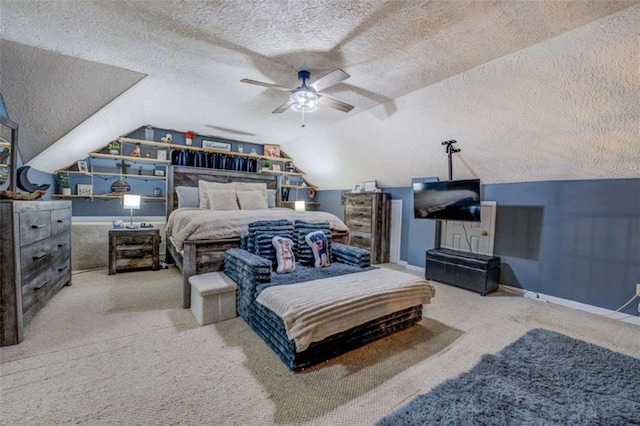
(61,271)
(60,221)
(35,258)
(359,222)
(358,202)
(361,239)
(34,226)
(61,247)
(35,289)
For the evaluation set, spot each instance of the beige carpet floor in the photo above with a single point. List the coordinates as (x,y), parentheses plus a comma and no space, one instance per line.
(120,349)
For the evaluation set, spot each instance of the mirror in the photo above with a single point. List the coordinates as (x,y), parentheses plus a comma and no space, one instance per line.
(8,150)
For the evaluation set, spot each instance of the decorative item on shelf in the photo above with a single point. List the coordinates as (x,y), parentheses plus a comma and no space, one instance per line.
(161,154)
(312,193)
(148,132)
(266,164)
(131,202)
(64,181)
(158,172)
(240,148)
(357,188)
(136,150)
(114,147)
(189,135)
(220,146)
(23,183)
(290,167)
(272,150)
(167,138)
(275,167)
(157,192)
(84,189)
(140,171)
(82,167)
(120,187)
(253,151)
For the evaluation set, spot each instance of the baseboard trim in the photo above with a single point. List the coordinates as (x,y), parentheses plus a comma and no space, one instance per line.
(632,319)
(411,267)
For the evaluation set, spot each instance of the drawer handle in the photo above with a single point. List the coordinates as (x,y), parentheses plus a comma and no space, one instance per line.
(39,255)
(358,237)
(63,268)
(60,221)
(63,244)
(40,285)
(38,226)
(134,256)
(359,225)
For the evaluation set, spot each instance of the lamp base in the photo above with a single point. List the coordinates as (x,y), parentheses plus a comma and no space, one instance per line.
(132,227)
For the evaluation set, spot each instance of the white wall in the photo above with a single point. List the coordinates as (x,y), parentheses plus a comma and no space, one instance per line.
(567,108)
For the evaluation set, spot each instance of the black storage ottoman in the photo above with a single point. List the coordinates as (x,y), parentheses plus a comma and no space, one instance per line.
(475,272)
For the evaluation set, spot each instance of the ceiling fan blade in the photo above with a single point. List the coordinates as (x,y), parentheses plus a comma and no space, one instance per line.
(334,103)
(331,79)
(282,108)
(269,85)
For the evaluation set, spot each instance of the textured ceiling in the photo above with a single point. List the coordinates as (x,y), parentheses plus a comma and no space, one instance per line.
(195,53)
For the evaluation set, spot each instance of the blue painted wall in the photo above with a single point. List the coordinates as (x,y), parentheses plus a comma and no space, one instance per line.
(577,240)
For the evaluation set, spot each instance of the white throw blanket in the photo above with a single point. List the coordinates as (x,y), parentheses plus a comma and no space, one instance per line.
(191,223)
(317,309)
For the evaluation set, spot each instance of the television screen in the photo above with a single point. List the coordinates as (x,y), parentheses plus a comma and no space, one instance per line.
(447,200)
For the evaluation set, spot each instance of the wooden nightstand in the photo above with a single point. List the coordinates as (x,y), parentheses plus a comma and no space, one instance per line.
(134,249)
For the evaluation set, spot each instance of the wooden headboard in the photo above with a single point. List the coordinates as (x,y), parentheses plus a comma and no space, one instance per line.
(189,176)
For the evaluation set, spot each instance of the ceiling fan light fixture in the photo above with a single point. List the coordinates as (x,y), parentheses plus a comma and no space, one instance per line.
(304,100)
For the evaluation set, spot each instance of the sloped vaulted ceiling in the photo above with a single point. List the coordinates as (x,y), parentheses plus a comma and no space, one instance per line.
(49,94)
(531,89)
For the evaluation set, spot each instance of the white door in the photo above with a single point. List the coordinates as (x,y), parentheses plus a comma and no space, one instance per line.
(474,237)
(396,231)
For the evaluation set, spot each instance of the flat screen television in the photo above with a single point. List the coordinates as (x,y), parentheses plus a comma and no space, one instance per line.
(447,200)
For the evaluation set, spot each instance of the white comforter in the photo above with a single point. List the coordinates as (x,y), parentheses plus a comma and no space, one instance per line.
(317,309)
(191,223)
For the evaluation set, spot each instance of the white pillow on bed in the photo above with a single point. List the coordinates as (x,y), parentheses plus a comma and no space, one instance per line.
(251,200)
(253,186)
(220,199)
(271,198)
(204,186)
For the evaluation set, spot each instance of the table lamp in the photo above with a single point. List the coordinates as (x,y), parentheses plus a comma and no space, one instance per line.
(300,206)
(131,202)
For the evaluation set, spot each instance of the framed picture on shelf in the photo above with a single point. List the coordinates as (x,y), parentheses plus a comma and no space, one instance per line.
(162,154)
(272,151)
(220,146)
(357,188)
(82,167)
(275,167)
(158,172)
(84,189)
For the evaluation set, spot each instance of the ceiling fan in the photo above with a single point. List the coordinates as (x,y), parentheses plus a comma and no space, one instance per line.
(305,98)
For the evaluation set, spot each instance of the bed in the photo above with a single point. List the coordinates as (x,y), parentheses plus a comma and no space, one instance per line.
(194,251)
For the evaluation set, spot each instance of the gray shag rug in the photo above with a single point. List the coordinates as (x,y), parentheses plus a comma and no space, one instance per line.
(542,378)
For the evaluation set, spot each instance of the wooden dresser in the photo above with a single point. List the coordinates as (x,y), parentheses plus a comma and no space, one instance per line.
(35,260)
(368,216)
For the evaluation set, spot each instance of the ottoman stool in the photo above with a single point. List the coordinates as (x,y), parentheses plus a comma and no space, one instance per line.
(213,297)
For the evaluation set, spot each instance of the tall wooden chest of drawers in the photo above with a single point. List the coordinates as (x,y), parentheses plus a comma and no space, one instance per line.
(368,217)
(35,260)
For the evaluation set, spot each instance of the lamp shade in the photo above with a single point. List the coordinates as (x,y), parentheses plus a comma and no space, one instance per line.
(131,201)
(300,206)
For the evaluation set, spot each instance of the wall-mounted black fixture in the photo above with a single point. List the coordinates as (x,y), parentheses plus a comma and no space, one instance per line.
(450,150)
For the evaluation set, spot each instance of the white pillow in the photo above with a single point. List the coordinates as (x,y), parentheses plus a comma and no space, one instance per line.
(253,186)
(204,186)
(220,199)
(251,200)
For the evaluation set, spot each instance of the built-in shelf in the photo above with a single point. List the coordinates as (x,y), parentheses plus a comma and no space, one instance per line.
(122,175)
(308,203)
(4,143)
(144,197)
(126,157)
(299,186)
